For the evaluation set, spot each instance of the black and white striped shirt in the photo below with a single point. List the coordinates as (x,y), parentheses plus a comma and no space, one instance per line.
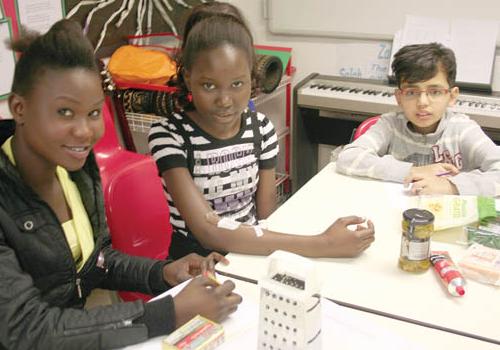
(225,171)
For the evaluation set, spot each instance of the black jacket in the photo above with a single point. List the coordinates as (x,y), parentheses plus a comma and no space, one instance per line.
(41,293)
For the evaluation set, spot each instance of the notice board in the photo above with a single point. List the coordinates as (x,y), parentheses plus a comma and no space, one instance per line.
(366,19)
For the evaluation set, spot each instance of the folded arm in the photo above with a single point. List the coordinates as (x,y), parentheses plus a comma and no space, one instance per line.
(367,156)
(482,158)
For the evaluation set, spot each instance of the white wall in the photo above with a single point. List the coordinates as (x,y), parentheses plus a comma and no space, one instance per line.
(322,55)
(330,56)
(4,110)
(310,54)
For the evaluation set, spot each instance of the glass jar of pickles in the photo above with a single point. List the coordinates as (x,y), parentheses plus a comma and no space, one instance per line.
(418,225)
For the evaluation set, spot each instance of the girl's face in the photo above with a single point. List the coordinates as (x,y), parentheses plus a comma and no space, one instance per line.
(60,120)
(220,82)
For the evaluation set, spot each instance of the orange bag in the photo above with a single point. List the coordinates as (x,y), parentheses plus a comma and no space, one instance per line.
(138,65)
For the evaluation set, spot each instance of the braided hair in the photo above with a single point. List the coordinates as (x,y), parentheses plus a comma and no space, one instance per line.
(208,28)
(63,46)
(209,9)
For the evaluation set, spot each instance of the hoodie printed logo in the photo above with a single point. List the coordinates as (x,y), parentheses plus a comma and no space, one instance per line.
(445,156)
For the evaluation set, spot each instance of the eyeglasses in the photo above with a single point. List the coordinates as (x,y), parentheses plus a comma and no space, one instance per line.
(432,93)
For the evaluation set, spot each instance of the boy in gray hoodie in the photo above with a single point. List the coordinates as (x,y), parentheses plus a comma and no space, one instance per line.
(437,150)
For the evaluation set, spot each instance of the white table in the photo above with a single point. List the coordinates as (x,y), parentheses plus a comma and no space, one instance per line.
(342,328)
(373,280)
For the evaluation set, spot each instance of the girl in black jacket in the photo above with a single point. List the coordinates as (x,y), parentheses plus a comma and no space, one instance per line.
(54,242)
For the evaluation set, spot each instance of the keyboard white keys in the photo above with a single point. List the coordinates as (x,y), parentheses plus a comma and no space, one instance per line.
(368,98)
(337,95)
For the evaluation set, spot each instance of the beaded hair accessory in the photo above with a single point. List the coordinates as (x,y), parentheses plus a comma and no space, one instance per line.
(108,85)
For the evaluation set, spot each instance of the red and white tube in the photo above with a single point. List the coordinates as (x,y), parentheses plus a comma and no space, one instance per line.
(448,273)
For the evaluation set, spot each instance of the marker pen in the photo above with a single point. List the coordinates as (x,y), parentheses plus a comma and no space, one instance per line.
(444,173)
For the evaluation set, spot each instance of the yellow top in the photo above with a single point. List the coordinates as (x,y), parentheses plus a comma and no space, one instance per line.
(78,230)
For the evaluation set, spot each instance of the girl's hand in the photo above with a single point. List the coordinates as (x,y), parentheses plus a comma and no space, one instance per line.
(205,297)
(339,241)
(190,266)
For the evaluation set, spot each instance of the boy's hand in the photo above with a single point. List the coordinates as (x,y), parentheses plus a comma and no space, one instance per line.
(433,185)
(191,265)
(431,170)
(340,241)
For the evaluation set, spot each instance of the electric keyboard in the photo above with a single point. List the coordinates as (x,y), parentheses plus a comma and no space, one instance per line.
(327,109)
(376,97)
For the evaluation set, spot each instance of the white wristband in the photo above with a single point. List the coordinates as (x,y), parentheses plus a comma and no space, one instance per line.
(229,224)
(258,231)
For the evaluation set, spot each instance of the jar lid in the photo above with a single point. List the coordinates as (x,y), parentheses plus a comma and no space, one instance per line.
(418,216)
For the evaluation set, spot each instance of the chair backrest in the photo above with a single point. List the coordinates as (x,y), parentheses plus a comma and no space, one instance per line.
(136,208)
(108,144)
(138,214)
(137,211)
(109,153)
(364,126)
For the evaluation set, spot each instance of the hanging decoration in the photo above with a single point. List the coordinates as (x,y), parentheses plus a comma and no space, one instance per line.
(144,10)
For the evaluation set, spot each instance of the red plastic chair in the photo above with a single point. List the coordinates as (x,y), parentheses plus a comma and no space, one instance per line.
(136,208)
(364,126)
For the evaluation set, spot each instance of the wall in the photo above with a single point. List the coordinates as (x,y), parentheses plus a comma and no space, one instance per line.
(323,55)
(331,55)
(367,18)
(4,110)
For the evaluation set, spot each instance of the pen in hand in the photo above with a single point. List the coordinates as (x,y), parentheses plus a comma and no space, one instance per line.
(409,185)
(444,173)
(211,276)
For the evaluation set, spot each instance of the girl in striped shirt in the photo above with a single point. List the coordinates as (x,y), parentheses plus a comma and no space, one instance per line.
(217,159)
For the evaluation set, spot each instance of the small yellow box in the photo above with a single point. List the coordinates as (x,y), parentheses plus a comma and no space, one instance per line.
(199,333)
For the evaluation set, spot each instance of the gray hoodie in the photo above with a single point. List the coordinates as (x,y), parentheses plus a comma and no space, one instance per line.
(389,149)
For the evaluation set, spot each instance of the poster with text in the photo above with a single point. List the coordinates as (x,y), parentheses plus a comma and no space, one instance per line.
(39,15)
(7,58)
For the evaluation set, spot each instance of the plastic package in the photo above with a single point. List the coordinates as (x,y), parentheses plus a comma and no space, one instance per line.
(455,211)
(450,211)
(484,236)
(197,334)
(481,264)
(448,273)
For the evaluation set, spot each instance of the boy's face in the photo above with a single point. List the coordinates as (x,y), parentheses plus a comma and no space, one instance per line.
(424,103)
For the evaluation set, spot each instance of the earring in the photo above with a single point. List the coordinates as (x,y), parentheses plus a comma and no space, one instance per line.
(190,97)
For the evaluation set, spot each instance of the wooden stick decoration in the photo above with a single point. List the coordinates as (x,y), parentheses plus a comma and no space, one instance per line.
(94,10)
(80,4)
(165,16)
(141,11)
(167,5)
(150,16)
(183,3)
(145,8)
(105,27)
(125,13)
